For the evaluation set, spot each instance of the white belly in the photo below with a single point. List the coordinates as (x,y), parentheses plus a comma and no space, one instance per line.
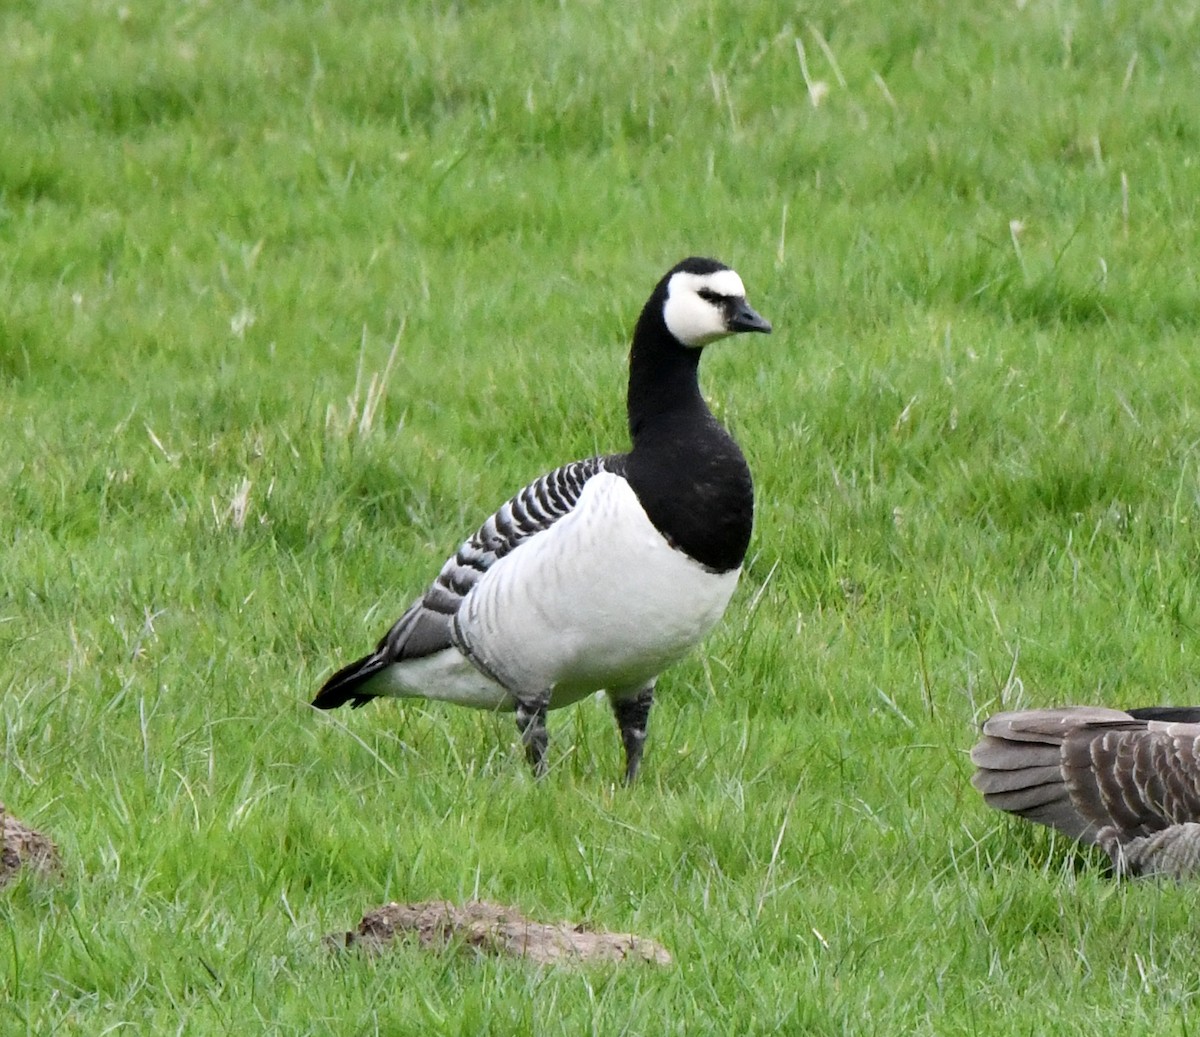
(600,600)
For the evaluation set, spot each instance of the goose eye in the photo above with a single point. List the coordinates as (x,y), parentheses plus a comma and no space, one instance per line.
(708,295)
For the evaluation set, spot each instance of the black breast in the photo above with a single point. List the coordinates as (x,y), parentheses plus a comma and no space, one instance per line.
(695,485)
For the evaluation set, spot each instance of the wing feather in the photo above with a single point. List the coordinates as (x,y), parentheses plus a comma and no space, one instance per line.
(427,626)
(1128,781)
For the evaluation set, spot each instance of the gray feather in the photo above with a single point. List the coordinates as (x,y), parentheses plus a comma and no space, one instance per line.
(1172,853)
(1130,783)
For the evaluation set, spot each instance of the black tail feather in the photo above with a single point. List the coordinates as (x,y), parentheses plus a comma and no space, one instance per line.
(1170,714)
(345,685)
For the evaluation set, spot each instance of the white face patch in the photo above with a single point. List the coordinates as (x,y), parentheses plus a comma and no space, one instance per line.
(691,318)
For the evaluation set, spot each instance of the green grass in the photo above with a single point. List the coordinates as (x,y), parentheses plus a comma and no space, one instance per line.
(974,435)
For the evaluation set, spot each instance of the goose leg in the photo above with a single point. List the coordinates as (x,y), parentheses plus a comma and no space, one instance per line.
(631,706)
(531,723)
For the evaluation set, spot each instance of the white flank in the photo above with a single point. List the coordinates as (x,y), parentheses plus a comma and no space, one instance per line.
(599,600)
(448,676)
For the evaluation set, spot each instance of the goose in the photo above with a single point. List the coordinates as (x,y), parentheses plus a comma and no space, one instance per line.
(1127,781)
(603,572)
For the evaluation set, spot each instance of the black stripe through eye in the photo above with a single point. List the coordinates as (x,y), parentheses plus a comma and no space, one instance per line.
(708,295)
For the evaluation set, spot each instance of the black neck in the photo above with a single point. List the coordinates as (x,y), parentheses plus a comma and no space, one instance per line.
(687,472)
(663,379)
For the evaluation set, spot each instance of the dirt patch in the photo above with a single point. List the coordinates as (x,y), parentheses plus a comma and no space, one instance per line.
(496,930)
(22,847)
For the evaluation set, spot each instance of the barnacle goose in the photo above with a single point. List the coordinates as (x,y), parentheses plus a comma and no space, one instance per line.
(1128,782)
(602,572)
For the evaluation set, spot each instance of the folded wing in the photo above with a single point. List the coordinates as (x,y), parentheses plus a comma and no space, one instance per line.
(1127,781)
(427,626)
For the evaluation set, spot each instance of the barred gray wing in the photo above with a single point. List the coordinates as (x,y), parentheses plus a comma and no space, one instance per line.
(426,627)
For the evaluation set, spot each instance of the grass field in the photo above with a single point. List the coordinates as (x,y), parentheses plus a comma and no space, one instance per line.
(974,435)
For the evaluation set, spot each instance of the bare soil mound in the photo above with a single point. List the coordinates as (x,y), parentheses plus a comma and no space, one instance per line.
(22,847)
(496,930)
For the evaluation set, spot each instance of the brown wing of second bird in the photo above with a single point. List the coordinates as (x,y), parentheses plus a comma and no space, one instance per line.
(1126,781)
